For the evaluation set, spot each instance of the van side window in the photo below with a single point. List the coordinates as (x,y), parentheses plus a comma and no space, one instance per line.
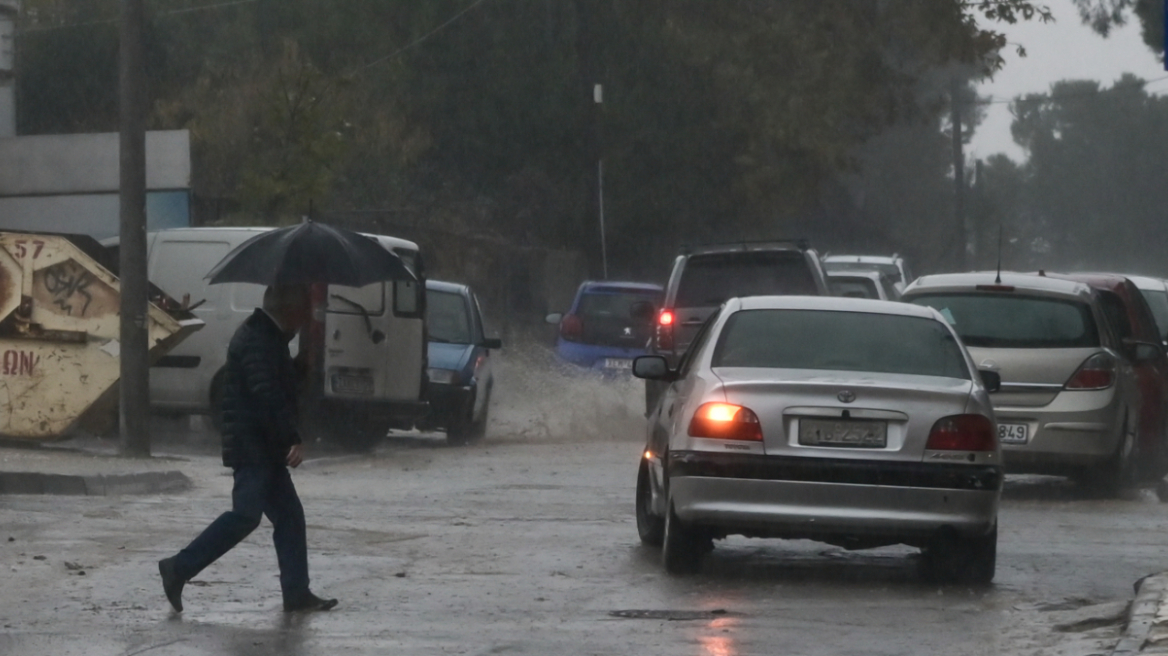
(1116,313)
(405,298)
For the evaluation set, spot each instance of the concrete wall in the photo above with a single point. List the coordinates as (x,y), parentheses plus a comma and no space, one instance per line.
(69,183)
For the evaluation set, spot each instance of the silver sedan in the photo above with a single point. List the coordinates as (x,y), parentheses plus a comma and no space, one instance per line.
(854,422)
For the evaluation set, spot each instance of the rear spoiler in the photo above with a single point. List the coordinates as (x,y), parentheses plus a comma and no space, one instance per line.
(760,245)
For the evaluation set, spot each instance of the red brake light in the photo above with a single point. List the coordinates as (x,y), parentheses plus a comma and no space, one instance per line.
(571,328)
(665,331)
(962,433)
(725,421)
(1096,373)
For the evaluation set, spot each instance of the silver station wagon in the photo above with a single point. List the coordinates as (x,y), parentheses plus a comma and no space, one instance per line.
(854,422)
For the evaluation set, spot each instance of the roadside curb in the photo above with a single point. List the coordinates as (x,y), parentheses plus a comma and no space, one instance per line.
(1146,632)
(96,485)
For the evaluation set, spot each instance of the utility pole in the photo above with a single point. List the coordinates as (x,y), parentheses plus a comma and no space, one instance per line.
(958,175)
(598,98)
(135,371)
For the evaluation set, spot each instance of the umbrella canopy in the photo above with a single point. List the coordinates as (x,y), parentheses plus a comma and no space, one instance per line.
(310,253)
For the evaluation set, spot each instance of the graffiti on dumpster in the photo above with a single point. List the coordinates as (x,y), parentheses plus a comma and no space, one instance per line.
(68,289)
(18,363)
(68,286)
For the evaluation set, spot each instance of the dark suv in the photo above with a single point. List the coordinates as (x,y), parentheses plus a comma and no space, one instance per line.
(704,277)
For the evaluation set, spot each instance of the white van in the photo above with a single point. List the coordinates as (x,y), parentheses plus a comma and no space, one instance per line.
(365,349)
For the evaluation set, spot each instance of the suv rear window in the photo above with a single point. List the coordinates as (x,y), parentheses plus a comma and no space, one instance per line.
(853,287)
(615,303)
(710,279)
(1016,321)
(890,270)
(840,341)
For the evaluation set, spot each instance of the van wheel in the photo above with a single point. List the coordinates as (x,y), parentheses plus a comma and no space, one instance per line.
(951,558)
(650,527)
(683,545)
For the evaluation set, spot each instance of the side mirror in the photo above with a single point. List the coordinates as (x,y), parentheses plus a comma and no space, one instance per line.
(642,311)
(653,367)
(992,380)
(554,318)
(1141,352)
(492,343)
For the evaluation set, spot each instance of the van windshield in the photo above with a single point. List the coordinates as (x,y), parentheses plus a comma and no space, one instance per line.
(1016,321)
(710,279)
(840,341)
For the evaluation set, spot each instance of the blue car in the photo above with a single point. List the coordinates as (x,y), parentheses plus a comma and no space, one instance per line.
(460,373)
(608,325)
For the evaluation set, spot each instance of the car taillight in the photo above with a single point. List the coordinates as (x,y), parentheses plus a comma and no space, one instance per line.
(571,328)
(962,433)
(725,421)
(1096,373)
(665,331)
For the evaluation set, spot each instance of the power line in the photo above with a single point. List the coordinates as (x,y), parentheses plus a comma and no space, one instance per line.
(111,21)
(420,39)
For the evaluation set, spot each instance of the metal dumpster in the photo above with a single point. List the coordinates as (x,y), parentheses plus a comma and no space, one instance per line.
(59,331)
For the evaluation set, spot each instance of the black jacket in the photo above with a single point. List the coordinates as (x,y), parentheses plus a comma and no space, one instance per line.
(259,395)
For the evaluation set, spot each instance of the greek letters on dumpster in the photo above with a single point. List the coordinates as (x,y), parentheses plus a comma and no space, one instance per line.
(67,284)
(19,363)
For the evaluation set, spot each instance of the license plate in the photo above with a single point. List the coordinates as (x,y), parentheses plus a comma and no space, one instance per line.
(617,363)
(843,433)
(362,385)
(1013,433)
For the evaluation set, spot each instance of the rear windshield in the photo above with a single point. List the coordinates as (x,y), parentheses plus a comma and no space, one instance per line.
(890,270)
(710,279)
(1016,321)
(447,317)
(840,341)
(1158,301)
(854,287)
(614,303)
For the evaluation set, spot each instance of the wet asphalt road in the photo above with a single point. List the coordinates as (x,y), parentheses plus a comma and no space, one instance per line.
(525,545)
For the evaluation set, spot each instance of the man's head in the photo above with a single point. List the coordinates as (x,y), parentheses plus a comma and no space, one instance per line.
(289,304)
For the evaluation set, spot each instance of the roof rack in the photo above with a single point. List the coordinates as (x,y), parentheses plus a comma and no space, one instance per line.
(801,243)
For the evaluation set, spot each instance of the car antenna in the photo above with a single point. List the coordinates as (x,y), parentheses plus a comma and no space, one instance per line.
(998,280)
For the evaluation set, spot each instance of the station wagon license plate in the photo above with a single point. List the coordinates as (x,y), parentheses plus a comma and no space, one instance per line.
(1013,433)
(843,433)
(362,385)
(618,363)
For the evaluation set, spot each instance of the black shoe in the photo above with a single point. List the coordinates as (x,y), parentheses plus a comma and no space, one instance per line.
(308,602)
(172,585)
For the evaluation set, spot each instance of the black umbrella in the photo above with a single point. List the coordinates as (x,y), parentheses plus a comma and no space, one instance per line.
(310,253)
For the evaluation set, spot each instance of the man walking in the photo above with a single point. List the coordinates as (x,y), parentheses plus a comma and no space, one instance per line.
(260,443)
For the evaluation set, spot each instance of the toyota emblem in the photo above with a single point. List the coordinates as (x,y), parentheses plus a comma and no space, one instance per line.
(846,396)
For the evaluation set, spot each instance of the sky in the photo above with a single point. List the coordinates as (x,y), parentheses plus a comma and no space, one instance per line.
(1064,49)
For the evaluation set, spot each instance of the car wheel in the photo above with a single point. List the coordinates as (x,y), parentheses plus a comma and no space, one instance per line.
(1119,472)
(650,527)
(683,545)
(956,559)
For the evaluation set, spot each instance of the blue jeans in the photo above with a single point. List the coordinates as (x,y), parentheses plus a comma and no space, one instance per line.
(259,490)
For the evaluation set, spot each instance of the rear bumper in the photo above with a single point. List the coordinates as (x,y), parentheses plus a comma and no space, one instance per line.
(594,356)
(833,499)
(1077,429)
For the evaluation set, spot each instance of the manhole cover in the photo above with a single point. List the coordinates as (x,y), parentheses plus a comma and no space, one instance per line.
(672,615)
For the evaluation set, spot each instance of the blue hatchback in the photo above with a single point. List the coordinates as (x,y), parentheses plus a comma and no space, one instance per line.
(460,373)
(608,325)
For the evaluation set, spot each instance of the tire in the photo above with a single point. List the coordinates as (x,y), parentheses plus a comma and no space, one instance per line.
(1119,472)
(466,430)
(955,559)
(650,527)
(683,546)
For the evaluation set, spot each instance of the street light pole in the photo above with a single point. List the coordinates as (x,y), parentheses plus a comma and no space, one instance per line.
(134,348)
(598,99)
